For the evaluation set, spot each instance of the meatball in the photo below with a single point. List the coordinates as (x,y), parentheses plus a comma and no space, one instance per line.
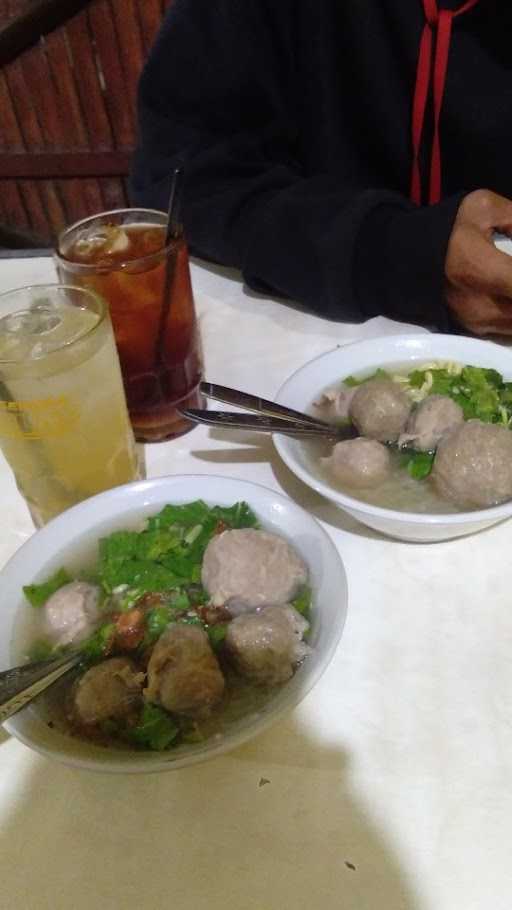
(473,465)
(380,409)
(265,646)
(72,613)
(110,690)
(183,673)
(253,566)
(430,421)
(359,462)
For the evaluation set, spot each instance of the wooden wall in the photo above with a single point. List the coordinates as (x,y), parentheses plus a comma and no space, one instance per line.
(67,115)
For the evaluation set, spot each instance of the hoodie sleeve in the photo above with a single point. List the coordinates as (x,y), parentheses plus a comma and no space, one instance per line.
(217,95)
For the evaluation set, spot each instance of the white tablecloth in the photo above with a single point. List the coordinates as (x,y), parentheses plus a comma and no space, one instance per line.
(387,788)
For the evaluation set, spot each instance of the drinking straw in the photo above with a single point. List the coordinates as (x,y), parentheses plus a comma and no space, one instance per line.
(174,225)
(173,233)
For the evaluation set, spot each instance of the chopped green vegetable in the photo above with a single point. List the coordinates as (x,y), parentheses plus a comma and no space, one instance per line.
(157,621)
(179,600)
(156,729)
(97,646)
(42,650)
(187,515)
(240,515)
(144,575)
(217,634)
(420,464)
(197,594)
(127,599)
(192,620)
(302,602)
(155,544)
(352,381)
(37,595)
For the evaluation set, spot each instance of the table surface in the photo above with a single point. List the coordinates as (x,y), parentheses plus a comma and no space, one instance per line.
(386,788)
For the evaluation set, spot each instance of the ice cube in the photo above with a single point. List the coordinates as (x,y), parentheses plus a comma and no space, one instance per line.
(105,239)
(38,320)
(45,317)
(118,241)
(90,241)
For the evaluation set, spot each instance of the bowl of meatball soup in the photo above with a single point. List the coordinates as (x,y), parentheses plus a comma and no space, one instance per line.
(422,433)
(203,609)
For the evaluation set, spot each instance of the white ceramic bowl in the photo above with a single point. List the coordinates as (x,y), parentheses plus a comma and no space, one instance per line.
(71,538)
(300,390)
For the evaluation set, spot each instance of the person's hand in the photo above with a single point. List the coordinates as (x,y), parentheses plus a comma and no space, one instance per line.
(478,276)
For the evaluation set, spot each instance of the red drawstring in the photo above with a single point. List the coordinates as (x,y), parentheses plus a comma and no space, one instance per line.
(442,21)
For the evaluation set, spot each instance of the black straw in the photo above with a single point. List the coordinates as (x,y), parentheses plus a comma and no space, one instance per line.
(173,233)
(174,225)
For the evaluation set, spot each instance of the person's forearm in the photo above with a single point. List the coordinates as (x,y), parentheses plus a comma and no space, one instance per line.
(345,252)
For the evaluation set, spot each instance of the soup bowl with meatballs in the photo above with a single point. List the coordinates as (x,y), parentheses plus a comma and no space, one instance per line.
(203,608)
(422,433)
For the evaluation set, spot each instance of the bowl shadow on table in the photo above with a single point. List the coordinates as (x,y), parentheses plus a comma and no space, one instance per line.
(274,825)
(256,448)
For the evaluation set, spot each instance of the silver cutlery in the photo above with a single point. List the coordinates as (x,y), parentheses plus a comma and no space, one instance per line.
(19,685)
(269,417)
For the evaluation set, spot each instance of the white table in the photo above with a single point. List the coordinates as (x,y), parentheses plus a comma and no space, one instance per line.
(388,788)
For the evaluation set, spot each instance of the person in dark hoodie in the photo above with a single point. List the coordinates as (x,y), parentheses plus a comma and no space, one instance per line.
(353,155)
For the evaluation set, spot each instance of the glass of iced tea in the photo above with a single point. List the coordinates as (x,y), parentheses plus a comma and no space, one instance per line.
(124,256)
(64,425)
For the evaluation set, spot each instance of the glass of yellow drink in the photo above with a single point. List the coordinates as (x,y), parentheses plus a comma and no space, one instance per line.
(64,426)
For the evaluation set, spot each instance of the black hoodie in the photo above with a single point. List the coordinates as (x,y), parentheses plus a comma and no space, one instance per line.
(293,118)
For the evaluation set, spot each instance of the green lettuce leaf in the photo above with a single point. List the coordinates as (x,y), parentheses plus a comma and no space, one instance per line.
(37,595)
(156,729)
(302,602)
(352,381)
(97,646)
(217,634)
(420,464)
(157,621)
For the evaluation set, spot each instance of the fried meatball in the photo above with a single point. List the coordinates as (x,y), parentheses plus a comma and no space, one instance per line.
(254,566)
(265,646)
(71,614)
(359,462)
(183,673)
(473,465)
(434,417)
(110,690)
(379,410)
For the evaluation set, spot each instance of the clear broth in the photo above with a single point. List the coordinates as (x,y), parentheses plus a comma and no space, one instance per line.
(399,491)
(242,699)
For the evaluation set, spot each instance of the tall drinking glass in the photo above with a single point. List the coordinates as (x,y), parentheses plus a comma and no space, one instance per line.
(64,426)
(124,256)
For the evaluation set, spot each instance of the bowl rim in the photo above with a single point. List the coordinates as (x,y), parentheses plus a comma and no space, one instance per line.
(164,761)
(491,514)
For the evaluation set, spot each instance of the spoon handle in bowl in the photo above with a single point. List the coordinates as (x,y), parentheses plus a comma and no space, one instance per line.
(20,685)
(254,403)
(232,420)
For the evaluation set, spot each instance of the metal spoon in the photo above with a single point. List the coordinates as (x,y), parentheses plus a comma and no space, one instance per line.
(19,685)
(270,417)
(231,420)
